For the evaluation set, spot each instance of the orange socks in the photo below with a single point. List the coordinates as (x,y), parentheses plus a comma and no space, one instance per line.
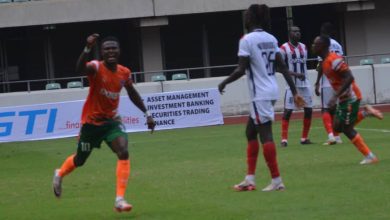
(122,176)
(359,118)
(67,167)
(361,145)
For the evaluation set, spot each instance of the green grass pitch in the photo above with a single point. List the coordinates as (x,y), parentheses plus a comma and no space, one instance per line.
(189,174)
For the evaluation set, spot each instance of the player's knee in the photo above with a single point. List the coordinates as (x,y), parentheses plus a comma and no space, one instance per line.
(251,134)
(287,114)
(79,160)
(308,112)
(123,154)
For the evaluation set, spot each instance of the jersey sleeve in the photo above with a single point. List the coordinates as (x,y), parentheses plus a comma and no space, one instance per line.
(129,79)
(338,65)
(243,49)
(282,51)
(94,64)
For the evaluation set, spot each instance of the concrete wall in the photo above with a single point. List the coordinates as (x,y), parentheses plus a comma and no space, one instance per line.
(367,32)
(235,101)
(68,11)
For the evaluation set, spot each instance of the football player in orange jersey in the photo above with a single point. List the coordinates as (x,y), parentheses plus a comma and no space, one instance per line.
(100,119)
(346,94)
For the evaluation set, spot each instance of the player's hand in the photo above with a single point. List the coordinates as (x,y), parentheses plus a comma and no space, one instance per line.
(299,101)
(151,123)
(317,89)
(221,88)
(91,40)
(301,76)
(332,102)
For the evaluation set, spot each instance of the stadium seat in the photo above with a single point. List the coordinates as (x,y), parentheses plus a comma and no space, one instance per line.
(158,78)
(366,62)
(385,60)
(74,84)
(51,86)
(179,76)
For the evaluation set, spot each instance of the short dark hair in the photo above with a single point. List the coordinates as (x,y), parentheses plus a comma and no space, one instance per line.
(325,40)
(327,28)
(260,15)
(109,38)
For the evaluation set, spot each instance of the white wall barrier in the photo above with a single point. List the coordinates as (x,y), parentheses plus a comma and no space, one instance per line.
(62,119)
(234,102)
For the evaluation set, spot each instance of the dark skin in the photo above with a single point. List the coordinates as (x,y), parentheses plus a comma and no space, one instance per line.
(295,37)
(263,130)
(110,52)
(322,50)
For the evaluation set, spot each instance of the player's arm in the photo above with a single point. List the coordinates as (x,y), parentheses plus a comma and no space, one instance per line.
(283,69)
(137,100)
(319,75)
(82,67)
(243,63)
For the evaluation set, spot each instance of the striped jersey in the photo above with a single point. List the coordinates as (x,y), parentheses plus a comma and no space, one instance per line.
(295,57)
(336,48)
(260,47)
(104,93)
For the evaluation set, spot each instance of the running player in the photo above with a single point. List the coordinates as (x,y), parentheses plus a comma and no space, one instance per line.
(346,94)
(100,119)
(295,55)
(258,52)
(326,89)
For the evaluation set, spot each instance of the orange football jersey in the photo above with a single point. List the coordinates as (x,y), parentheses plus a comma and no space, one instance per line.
(104,93)
(333,67)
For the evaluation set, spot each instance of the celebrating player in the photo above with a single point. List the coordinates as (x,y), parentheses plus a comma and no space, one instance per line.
(100,119)
(347,94)
(295,55)
(258,52)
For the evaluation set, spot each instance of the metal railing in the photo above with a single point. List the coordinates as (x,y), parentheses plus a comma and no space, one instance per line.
(138,77)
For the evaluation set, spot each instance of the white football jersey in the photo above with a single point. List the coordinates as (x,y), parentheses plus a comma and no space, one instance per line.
(261,48)
(295,58)
(336,48)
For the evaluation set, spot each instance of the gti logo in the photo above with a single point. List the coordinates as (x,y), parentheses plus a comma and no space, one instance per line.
(31,115)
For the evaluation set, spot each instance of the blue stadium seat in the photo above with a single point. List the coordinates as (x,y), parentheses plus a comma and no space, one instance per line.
(366,62)
(51,86)
(385,60)
(158,78)
(179,76)
(74,84)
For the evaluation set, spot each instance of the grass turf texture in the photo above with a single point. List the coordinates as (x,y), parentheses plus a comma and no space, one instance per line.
(189,174)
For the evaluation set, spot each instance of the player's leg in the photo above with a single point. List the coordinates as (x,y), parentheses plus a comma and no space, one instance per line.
(288,109)
(252,154)
(327,118)
(86,142)
(308,112)
(117,140)
(346,116)
(368,111)
(265,116)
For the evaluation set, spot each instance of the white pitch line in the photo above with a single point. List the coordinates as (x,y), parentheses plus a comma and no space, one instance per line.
(364,129)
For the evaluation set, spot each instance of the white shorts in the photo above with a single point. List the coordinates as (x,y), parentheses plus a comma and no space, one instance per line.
(305,92)
(262,111)
(326,94)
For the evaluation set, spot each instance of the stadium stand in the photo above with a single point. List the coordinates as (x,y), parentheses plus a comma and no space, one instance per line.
(179,76)
(52,86)
(74,84)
